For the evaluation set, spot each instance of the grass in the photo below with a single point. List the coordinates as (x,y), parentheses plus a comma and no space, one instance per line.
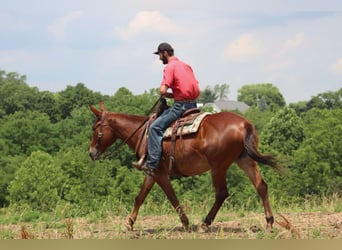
(313,219)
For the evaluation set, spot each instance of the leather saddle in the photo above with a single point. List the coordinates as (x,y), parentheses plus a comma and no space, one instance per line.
(175,130)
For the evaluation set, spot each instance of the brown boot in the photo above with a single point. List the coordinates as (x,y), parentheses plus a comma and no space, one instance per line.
(149,171)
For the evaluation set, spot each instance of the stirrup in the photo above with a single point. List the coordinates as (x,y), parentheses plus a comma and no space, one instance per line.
(138,164)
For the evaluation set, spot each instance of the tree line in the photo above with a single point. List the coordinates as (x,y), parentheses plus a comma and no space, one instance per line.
(44,141)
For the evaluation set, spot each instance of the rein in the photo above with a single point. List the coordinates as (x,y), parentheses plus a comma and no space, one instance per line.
(99,135)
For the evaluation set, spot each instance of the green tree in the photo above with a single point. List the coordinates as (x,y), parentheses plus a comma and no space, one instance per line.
(75,97)
(211,94)
(26,132)
(262,95)
(327,100)
(284,132)
(299,107)
(316,165)
(15,94)
(124,101)
(207,96)
(127,183)
(8,166)
(37,183)
(318,161)
(89,184)
(259,118)
(76,129)
(221,90)
(46,103)
(282,136)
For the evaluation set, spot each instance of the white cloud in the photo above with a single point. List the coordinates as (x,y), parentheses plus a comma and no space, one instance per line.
(281,58)
(295,42)
(19,58)
(244,48)
(337,66)
(150,22)
(59,26)
(281,65)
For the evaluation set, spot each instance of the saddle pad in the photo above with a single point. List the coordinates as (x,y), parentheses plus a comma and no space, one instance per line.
(187,129)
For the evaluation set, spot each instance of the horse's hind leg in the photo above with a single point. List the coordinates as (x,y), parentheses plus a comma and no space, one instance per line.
(251,169)
(221,193)
(139,199)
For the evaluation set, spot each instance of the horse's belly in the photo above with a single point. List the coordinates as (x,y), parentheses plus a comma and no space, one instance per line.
(190,166)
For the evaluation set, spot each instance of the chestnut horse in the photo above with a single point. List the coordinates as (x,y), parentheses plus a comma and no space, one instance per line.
(222,139)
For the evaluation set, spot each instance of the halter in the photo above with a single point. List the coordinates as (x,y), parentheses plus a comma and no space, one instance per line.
(100,134)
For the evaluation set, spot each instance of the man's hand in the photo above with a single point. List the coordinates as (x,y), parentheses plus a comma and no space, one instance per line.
(163,91)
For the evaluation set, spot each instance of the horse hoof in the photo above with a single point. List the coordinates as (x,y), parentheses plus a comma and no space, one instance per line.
(269,229)
(129,227)
(186,228)
(204,228)
(129,224)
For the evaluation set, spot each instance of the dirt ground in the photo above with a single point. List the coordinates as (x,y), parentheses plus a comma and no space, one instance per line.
(315,225)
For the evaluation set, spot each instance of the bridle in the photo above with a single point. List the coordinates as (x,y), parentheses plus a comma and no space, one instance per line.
(99,133)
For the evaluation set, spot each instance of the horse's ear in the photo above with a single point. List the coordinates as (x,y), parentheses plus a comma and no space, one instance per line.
(95,111)
(102,106)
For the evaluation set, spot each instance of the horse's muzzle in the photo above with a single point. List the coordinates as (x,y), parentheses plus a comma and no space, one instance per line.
(94,154)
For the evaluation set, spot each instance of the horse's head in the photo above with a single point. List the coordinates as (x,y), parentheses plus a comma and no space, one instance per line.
(102,136)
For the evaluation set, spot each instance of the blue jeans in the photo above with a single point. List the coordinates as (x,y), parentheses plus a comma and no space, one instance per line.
(158,127)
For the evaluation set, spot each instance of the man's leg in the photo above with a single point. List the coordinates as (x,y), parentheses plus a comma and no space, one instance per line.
(156,132)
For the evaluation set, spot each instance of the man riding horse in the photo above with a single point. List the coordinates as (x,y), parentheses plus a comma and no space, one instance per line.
(222,139)
(180,78)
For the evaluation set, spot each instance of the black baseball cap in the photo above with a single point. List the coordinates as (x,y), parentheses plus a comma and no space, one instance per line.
(163,47)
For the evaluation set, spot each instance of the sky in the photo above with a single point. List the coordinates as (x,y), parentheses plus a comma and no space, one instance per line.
(109,44)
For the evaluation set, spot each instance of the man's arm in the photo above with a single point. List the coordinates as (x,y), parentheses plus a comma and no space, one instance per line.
(163,91)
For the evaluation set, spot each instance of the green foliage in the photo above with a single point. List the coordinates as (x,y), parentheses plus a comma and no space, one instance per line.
(207,96)
(26,132)
(258,118)
(211,94)
(46,102)
(262,95)
(299,107)
(75,97)
(44,163)
(327,100)
(242,193)
(74,130)
(284,132)
(221,90)
(15,94)
(86,181)
(125,102)
(38,182)
(319,159)
(126,185)
(315,163)
(8,166)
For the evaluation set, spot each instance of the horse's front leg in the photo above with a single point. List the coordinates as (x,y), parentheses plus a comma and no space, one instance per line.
(165,184)
(139,200)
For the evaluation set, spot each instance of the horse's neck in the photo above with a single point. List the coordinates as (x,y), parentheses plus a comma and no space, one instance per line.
(127,127)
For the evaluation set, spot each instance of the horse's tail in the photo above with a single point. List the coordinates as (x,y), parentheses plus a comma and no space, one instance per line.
(251,148)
